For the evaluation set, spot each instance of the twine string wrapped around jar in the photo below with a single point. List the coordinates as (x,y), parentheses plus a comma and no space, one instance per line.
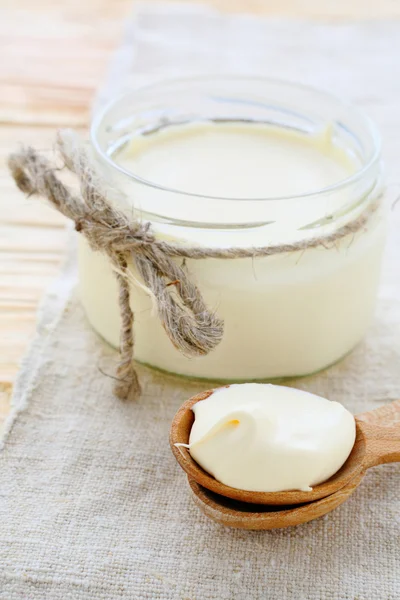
(190,325)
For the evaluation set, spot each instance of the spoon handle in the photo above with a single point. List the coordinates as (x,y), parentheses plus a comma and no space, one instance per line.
(386,415)
(382,444)
(381,428)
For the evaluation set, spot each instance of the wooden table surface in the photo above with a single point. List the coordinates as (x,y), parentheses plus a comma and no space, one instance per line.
(53,56)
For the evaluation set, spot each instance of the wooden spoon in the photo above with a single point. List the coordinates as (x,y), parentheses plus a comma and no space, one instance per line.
(375,444)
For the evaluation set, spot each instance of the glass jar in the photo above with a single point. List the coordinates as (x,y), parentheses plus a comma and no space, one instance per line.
(284,315)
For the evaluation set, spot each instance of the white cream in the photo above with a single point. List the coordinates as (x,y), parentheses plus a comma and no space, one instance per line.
(285,315)
(231,168)
(268,438)
(236,161)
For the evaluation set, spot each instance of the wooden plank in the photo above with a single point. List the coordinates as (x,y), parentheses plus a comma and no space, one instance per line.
(314,9)
(32,244)
(68,45)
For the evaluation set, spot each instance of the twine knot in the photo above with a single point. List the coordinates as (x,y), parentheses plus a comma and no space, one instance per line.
(190,325)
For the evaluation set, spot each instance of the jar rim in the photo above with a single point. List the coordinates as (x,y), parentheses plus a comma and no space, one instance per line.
(353,178)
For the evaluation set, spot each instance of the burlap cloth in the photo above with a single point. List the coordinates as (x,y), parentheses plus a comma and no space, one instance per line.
(92,504)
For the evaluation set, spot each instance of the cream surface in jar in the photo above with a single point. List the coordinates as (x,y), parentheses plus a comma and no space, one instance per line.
(241,183)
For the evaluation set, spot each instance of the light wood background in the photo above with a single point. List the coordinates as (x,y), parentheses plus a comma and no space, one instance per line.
(53,56)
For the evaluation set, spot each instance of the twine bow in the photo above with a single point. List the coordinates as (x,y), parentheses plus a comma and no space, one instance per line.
(191,326)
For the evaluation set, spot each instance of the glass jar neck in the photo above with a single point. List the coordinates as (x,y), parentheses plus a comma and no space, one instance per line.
(186,208)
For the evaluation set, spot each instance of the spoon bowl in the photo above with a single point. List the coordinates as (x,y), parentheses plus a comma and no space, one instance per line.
(375,444)
(241,515)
